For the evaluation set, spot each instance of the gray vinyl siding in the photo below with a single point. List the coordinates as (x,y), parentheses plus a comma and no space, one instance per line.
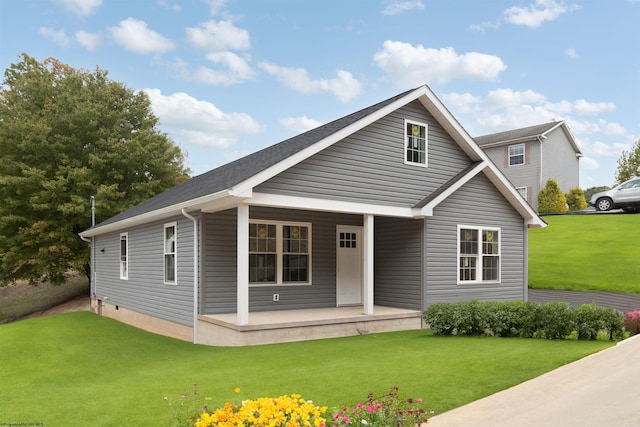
(145,290)
(527,175)
(477,203)
(559,161)
(220,288)
(368,166)
(398,263)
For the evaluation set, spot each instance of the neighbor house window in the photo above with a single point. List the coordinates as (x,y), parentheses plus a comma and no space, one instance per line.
(522,191)
(516,155)
(279,252)
(124,260)
(170,253)
(415,143)
(478,254)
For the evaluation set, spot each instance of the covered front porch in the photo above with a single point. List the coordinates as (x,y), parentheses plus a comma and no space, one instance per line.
(269,327)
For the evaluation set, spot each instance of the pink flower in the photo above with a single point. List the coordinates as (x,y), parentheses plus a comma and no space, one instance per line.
(419,400)
(345,420)
(360,405)
(165,398)
(371,408)
(379,406)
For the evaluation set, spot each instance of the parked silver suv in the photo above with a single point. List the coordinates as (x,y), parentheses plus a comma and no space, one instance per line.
(625,196)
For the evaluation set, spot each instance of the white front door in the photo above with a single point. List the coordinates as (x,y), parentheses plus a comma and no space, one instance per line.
(348,265)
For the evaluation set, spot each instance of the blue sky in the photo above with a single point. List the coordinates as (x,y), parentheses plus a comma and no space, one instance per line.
(227,78)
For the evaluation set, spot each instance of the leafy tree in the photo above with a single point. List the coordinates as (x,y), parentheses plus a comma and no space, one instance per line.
(575,199)
(593,190)
(551,198)
(628,164)
(67,134)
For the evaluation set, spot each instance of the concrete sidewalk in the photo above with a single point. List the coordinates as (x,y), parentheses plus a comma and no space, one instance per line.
(602,389)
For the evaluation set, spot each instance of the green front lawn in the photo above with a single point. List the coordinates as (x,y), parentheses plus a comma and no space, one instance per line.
(586,253)
(80,369)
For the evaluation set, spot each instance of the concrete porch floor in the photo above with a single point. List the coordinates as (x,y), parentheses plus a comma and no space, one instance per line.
(271,327)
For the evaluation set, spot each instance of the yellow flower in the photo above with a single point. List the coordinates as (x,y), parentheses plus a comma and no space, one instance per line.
(237,389)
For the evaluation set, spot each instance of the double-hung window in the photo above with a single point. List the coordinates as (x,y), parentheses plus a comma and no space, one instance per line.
(478,254)
(124,256)
(516,155)
(279,252)
(415,143)
(170,253)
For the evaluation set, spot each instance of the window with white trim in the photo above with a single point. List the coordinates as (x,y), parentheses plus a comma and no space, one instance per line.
(516,155)
(279,252)
(415,143)
(124,256)
(478,254)
(170,245)
(522,191)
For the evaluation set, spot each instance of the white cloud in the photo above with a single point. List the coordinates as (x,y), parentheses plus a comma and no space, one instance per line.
(134,36)
(215,6)
(536,14)
(90,41)
(215,36)
(81,8)
(484,26)
(397,7)
(193,121)
(174,7)
(505,109)
(236,70)
(299,124)
(344,86)
(56,36)
(409,65)
(571,53)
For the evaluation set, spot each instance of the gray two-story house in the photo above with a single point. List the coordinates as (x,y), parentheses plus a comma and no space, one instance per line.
(530,156)
(356,226)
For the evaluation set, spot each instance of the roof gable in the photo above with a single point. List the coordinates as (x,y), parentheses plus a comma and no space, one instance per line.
(238,178)
(525,134)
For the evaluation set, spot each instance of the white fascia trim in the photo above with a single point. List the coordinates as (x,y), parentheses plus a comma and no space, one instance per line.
(325,143)
(325,205)
(427,210)
(158,214)
(511,194)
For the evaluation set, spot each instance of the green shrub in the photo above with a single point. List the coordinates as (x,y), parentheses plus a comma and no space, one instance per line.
(554,321)
(588,320)
(575,199)
(551,198)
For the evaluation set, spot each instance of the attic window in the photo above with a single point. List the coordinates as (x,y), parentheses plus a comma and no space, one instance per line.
(415,143)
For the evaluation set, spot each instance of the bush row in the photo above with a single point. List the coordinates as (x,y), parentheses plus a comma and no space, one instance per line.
(553,320)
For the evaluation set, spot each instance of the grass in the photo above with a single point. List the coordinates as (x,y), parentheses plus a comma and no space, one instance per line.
(80,369)
(586,253)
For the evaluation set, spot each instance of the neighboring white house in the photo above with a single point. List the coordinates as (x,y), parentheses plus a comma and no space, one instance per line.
(530,156)
(356,226)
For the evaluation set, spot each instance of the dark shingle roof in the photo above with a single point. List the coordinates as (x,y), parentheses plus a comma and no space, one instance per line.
(231,174)
(510,135)
(424,202)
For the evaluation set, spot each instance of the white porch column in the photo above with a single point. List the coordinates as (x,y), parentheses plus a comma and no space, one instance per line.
(367,264)
(243,264)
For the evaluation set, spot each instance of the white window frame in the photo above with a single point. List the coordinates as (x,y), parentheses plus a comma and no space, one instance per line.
(124,259)
(511,156)
(406,143)
(479,256)
(169,253)
(280,252)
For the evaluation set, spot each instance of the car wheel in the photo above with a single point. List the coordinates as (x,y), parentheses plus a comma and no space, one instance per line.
(604,204)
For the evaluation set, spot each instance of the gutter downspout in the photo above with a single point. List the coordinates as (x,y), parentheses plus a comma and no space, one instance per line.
(196,273)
